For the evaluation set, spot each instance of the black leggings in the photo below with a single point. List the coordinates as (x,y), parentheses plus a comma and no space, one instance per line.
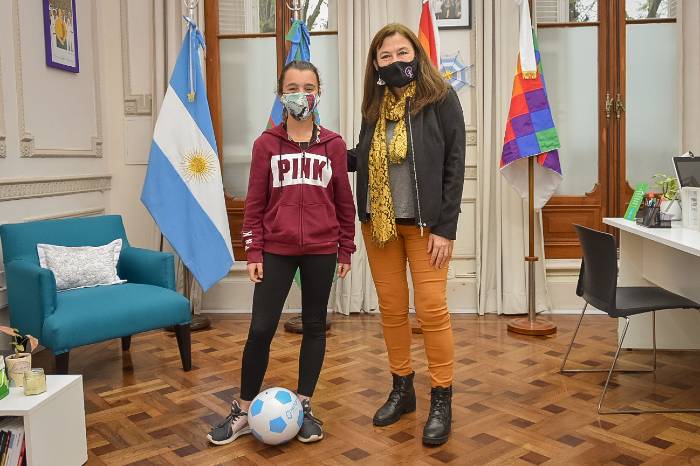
(317,273)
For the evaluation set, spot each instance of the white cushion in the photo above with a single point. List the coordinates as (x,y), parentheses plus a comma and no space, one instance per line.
(81,267)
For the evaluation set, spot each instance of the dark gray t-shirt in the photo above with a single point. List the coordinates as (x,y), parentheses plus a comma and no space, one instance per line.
(401,183)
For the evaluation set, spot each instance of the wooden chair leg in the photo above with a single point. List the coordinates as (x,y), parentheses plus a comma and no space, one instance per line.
(61,361)
(126,343)
(182,333)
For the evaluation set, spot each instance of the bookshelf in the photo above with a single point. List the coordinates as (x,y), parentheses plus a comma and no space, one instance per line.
(54,422)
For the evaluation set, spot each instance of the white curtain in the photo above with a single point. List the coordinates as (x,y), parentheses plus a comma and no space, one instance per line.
(169,30)
(689,19)
(358,21)
(502,216)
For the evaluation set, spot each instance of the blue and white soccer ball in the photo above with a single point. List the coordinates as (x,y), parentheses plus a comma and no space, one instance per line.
(275,416)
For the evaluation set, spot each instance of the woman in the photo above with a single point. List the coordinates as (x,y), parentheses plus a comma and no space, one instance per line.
(299,213)
(410,172)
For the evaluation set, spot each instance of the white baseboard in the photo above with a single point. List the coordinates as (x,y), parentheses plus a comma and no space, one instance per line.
(452,311)
(589,311)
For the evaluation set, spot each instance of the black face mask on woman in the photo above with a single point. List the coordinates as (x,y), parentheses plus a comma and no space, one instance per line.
(399,73)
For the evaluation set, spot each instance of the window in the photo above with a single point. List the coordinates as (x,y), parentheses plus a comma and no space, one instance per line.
(567,11)
(611,69)
(651,9)
(246,49)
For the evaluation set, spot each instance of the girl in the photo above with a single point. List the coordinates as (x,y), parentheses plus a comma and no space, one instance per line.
(299,213)
(410,173)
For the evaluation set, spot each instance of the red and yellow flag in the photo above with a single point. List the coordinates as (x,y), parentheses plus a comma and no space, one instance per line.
(428,34)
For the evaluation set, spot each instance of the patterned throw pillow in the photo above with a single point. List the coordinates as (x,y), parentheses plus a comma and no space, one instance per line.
(81,267)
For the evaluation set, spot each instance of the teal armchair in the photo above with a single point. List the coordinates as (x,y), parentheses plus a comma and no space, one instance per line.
(67,319)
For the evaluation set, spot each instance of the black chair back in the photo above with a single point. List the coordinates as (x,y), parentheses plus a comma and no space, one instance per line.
(597,281)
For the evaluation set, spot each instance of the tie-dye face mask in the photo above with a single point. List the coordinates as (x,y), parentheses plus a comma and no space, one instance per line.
(300,105)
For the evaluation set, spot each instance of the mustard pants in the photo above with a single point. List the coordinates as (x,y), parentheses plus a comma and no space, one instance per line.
(388,266)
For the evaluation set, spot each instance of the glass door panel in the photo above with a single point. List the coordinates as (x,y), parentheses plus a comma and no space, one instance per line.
(324,54)
(570,58)
(569,33)
(248,79)
(652,100)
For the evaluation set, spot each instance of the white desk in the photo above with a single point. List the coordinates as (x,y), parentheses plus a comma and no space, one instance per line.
(54,421)
(665,257)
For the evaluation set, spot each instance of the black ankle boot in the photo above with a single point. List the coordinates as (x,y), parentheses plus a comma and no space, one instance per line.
(437,428)
(402,399)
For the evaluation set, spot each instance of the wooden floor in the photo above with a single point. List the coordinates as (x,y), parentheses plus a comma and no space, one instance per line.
(511,406)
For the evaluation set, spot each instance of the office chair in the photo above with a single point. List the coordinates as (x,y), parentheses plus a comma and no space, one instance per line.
(597,285)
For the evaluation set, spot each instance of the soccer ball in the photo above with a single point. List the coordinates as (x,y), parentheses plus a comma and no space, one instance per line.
(275,416)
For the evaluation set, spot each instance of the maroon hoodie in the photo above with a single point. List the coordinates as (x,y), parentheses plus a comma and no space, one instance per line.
(299,202)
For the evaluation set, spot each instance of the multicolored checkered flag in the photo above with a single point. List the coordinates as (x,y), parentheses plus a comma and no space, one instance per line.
(530,131)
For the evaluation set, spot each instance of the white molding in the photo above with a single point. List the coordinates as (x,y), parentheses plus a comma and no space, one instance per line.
(3,136)
(26,141)
(3,291)
(411,311)
(471,137)
(134,104)
(563,264)
(470,172)
(69,214)
(46,187)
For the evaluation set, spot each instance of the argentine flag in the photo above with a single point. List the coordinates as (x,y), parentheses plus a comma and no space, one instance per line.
(183,190)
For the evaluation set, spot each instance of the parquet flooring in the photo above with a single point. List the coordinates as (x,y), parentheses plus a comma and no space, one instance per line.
(511,406)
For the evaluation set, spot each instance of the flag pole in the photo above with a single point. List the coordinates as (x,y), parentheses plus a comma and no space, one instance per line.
(531,325)
(199,322)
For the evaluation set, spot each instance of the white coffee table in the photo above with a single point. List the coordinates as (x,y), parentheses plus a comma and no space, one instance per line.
(54,422)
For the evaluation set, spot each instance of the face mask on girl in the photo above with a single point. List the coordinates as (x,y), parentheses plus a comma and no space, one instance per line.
(300,105)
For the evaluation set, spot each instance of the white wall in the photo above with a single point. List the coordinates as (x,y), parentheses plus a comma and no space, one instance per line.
(54,149)
(461,285)
(129,52)
(77,144)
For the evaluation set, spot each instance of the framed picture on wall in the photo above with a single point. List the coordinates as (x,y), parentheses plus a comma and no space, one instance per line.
(453,14)
(61,34)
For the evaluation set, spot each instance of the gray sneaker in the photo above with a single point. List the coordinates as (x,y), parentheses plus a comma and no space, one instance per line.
(235,425)
(311,430)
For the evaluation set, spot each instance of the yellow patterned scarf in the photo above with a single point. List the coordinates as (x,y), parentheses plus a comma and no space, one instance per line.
(380,154)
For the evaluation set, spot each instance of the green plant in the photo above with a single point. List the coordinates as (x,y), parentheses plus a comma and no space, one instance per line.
(18,339)
(668,184)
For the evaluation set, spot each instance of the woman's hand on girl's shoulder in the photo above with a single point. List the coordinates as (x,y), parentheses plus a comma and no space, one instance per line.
(343,270)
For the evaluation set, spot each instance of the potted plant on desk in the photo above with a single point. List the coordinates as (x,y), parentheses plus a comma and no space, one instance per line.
(21,361)
(670,190)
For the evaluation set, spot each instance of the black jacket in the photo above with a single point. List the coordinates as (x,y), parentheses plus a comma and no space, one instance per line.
(436,153)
